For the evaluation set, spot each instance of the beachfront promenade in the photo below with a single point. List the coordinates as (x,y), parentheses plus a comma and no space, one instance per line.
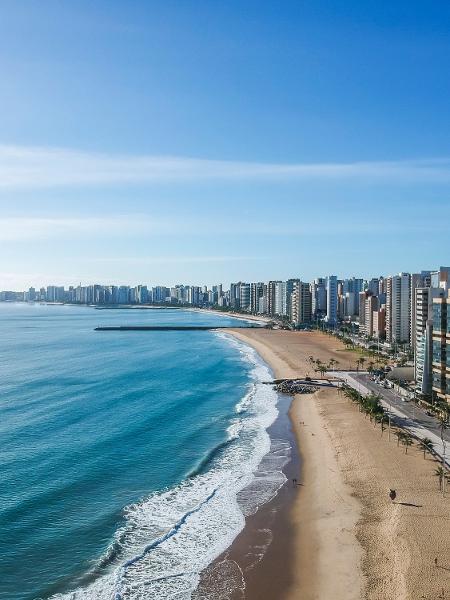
(401,416)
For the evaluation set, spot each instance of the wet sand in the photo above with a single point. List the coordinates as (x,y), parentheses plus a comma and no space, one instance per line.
(337,535)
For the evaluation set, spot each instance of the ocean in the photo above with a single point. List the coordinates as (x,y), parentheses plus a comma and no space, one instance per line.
(129,459)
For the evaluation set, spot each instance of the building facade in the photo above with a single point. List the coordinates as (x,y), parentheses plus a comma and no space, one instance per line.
(441,348)
(332,300)
(398,309)
(301,304)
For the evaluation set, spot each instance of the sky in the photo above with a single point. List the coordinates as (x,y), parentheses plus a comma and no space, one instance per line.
(201,142)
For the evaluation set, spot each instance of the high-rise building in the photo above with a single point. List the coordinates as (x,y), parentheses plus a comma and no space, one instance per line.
(435,285)
(123,295)
(31,296)
(441,347)
(235,295)
(350,305)
(50,294)
(160,293)
(257,292)
(280,305)
(373,286)
(271,297)
(194,294)
(371,306)
(423,336)
(290,286)
(398,308)
(332,299)
(379,323)
(141,294)
(318,297)
(353,285)
(301,311)
(418,280)
(362,296)
(244,296)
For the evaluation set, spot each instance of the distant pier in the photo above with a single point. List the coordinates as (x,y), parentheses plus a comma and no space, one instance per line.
(172,327)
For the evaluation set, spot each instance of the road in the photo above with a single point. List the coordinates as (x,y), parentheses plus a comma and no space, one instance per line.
(411,410)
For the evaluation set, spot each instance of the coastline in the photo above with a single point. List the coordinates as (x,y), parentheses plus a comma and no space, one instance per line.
(337,535)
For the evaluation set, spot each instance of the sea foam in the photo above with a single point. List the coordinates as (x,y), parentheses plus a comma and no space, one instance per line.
(174,534)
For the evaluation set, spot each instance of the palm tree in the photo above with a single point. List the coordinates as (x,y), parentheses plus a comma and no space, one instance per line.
(331,363)
(400,435)
(426,445)
(320,367)
(370,367)
(407,441)
(362,360)
(440,474)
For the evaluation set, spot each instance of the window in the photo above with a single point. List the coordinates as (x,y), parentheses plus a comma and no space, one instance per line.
(437,381)
(437,351)
(437,316)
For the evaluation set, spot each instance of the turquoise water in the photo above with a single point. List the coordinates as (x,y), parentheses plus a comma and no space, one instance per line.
(126,456)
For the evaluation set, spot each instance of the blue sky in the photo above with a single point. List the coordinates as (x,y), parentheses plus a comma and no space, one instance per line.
(169,142)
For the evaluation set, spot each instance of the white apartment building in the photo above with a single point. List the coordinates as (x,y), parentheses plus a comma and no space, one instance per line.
(280,304)
(332,300)
(423,337)
(398,308)
(371,306)
(244,296)
(434,286)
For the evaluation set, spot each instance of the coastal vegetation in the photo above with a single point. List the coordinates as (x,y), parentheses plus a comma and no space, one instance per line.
(371,406)
(426,445)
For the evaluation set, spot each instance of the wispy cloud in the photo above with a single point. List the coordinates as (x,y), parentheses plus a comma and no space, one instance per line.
(42,228)
(181,259)
(40,167)
(134,226)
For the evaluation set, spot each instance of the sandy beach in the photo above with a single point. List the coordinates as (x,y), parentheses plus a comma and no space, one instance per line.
(342,538)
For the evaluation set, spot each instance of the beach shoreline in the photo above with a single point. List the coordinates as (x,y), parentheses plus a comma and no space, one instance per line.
(337,535)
